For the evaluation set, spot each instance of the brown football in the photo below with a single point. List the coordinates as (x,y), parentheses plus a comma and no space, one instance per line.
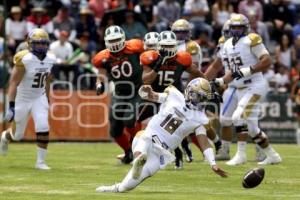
(253,177)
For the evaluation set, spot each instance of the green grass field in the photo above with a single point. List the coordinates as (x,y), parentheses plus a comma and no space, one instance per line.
(77,169)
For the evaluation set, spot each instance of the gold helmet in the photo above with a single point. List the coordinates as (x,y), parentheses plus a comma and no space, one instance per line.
(225,30)
(239,25)
(38,41)
(197,93)
(182,28)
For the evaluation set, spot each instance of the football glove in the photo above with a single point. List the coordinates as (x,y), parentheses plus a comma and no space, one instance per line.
(162,56)
(241,73)
(10,114)
(99,88)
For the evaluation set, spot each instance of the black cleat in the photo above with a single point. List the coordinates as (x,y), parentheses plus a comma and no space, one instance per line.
(128,158)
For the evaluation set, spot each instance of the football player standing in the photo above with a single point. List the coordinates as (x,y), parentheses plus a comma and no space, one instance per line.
(28,93)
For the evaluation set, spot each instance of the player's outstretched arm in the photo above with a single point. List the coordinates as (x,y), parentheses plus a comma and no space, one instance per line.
(146,92)
(209,154)
(194,72)
(149,75)
(214,69)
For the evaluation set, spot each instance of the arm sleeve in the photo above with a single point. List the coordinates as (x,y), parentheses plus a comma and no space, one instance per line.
(259,50)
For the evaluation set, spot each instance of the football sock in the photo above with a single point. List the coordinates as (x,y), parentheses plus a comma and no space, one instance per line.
(123,141)
(41,155)
(269,151)
(241,148)
(226,145)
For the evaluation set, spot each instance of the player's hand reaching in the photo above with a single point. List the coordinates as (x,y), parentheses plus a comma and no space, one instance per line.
(10,114)
(216,83)
(161,59)
(219,171)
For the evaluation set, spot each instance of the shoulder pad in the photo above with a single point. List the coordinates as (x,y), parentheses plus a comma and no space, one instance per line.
(192,47)
(135,45)
(18,58)
(148,57)
(100,57)
(221,40)
(184,58)
(255,39)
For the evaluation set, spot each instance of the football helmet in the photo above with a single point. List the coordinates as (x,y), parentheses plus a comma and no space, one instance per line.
(151,41)
(239,25)
(183,30)
(114,38)
(225,30)
(38,41)
(197,93)
(167,44)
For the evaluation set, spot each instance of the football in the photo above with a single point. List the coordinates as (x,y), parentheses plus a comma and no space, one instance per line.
(253,177)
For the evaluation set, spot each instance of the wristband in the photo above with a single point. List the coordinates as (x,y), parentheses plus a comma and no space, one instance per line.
(11,104)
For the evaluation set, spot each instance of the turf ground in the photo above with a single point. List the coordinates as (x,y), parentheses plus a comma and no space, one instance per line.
(77,169)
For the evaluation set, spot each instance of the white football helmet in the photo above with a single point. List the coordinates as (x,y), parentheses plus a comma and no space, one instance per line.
(197,93)
(151,41)
(114,38)
(167,42)
(225,30)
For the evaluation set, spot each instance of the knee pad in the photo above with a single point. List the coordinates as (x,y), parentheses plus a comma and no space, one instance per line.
(42,137)
(241,129)
(260,138)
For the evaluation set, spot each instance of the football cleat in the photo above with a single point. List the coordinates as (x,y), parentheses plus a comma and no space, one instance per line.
(178,164)
(42,166)
(138,165)
(128,158)
(120,156)
(3,144)
(238,159)
(222,154)
(112,188)
(270,160)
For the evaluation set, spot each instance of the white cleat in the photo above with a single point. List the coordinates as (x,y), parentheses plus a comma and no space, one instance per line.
(238,159)
(3,144)
(112,188)
(138,165)
(270,160)
(42,166)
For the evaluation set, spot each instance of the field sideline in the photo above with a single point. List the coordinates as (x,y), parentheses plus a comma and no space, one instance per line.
(78,168)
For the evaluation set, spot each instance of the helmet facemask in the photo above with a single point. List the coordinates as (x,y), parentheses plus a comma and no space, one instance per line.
(38,41)
(114,38)
(167,44)
(151,41)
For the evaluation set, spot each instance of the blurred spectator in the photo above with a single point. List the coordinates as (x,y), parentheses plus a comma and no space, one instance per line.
(15,28)
(284,53)
(196,11)
(207,46)
(86,44)
(297,47)
(295,72)
(149,11)
(1,20)
(39,19)
(121,4)
(296,28)
(259,27)
(168,12)
(253,6)
(221,11)
(63,22)
(86,23)
(98,7)
(63,51)
(133,28)
(278,18)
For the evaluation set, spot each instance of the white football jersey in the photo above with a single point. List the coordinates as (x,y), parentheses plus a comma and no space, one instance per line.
(245,53)
(174,121)
(32,85)
(195,50)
